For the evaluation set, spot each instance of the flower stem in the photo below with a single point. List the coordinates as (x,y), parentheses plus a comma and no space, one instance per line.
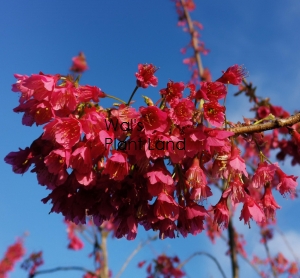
(132,94)
(116,98)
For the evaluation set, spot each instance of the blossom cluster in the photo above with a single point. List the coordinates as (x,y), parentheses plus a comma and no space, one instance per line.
(13,254)
(160,186)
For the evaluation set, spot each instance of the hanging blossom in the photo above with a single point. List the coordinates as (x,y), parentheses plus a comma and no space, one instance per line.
(150,167)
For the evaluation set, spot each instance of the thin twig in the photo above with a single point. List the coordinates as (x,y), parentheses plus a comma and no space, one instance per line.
(288,245)
(270,258)
(135,251)
(205,254)
(251,264)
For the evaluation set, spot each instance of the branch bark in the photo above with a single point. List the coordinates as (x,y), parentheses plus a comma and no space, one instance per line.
(277,123)
(233,250)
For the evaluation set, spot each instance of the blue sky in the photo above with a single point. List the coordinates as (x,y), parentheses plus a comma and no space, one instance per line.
(116,36)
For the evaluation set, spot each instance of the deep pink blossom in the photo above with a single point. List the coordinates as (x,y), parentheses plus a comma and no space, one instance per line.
(153,119)
(166,207)
(263,174)
(287,184)
(145,76)
(182,113)
(117,166)
(212,91)
(251,210)
(173,91)
(269,203)
(214,113)
(221,213)
(65,131)
(233,75)
(79,63)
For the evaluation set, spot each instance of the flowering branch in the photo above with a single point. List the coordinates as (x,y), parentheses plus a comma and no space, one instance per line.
(277,123)
(194,39)
(205,254)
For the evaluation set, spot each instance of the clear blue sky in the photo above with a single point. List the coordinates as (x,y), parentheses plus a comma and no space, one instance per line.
(116,36)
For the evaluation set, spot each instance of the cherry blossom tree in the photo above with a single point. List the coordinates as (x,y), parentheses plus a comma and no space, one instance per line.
(121,168)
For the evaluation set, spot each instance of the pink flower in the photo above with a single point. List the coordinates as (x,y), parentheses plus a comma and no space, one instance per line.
(65,131)
(196,180)
(13,254)
(173,91)
(145,76)
(263,174)
(191,219)
(251,210)
(235,161)
(233,75)
(287,184)
(182,113)
(214,113)
(166,207)
(20,160)
(79,63)
(153,119)
(117,166)
(87,93)
(269,203)
(221,213)
(212,91)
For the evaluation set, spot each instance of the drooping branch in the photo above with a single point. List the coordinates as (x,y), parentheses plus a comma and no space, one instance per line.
(205,254)
(62,268)
(277,123)
(194,40)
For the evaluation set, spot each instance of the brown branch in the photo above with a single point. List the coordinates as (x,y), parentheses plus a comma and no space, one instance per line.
(62,268)
(103,246)
(233,250)
(192,31)
(277,123)
(205,254)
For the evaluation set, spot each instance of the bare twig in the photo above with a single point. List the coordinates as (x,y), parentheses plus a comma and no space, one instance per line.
(135,251)
(270,258)
(251,264)
(205,254)
(288,245)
